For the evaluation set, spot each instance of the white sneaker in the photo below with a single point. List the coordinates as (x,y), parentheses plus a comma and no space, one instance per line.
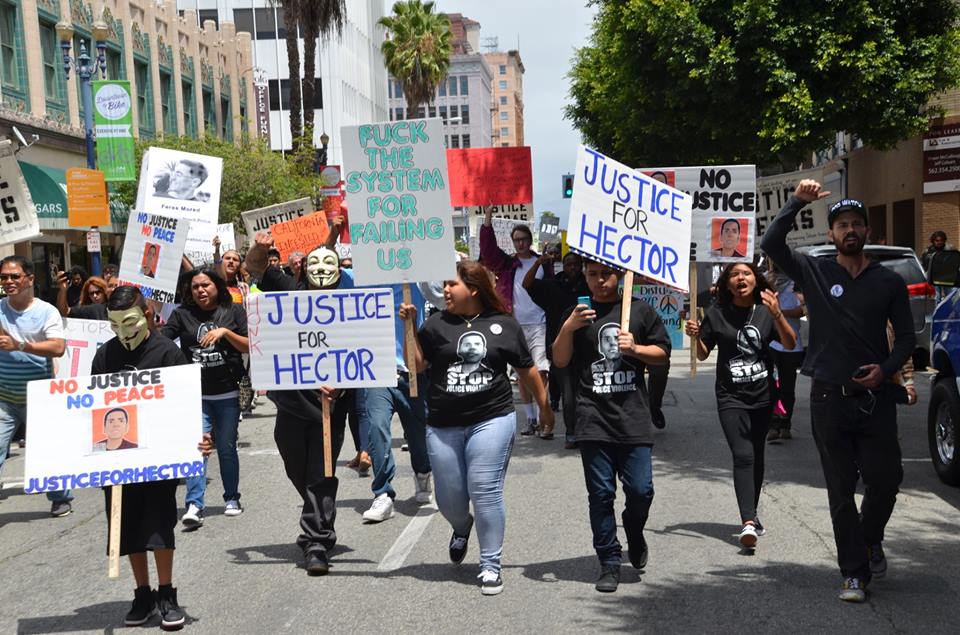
(748,536)
(232,508)
(424,488)
(381,510)
(193,517)
(490,583)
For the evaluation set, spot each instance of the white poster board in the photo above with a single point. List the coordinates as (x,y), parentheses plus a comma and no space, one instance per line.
(263,218)
(183,185)
(128,427)
(502,228)
(401,223)
(18,216)
(517,211)
(152,253)
(810,225)
(300,340)
(228,239)
(630,220)
(84,338)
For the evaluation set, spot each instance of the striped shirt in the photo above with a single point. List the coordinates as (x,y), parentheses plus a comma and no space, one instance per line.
(38,323)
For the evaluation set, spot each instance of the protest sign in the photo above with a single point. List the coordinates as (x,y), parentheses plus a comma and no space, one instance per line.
(490,176)
(84,338)
(549,228)
(396,182)
(300,234)
(228,239)
(18,216)
(113,128)
(303,339)
(721,191)
(134,426)
(810,225)
(152,254)
(262,219)
(520,211)
(668,303)
(183,185)
(87,204)
(502,229)
(630,220)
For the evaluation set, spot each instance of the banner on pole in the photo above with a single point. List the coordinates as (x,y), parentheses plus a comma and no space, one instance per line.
(84,338)
(304,339)
(135,426)
(87,204)
(113,127)
(152,253)
(262,219)
(18,216)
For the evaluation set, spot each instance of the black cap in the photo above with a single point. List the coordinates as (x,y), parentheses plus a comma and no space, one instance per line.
(847,205)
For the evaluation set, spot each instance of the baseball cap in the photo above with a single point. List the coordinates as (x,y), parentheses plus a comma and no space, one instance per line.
(847,205)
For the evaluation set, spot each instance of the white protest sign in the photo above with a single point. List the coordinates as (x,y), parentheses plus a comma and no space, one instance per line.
(303,339)
(18,216)
(152,254)
(724,208)
(262,219)
(630,220)
(502,229)
(810,225)
(228,239)
(668,303)
(183,185)
(134,426)
(84,338)
(401,223)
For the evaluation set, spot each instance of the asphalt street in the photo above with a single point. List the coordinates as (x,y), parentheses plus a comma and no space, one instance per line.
(244,574)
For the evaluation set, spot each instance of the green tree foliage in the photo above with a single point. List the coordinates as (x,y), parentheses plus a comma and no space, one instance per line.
(767,81)
(417,51)
(547,215)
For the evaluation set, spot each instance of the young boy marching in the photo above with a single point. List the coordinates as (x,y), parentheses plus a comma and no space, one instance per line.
(613,424)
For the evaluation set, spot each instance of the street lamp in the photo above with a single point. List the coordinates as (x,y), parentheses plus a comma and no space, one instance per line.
(321,157)
(87,69)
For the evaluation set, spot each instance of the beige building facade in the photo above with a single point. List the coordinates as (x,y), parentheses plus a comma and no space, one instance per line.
(507,88)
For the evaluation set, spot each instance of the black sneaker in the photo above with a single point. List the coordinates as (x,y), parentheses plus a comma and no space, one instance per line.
(638,553)
(609,579)
(60,509)
(144,606)
(172,616)
(317,563)
(458,545)
(878,561)
(758,526)
(853,590)
(659,421)
(490,583)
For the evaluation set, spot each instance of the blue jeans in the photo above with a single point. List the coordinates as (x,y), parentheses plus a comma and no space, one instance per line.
(222,416)
(602,463)
(471,464)
(375,408)
(11,416)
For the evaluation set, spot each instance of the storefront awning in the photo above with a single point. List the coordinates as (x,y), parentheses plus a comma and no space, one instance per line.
(48,189)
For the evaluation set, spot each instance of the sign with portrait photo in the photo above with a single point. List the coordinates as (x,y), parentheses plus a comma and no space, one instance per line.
(152,254)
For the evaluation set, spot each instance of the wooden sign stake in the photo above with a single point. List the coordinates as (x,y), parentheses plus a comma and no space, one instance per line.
(409,335)
(113,549)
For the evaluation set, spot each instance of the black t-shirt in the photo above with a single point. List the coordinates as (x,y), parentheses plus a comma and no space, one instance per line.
(742,336)
(612,402)
(221,364)
(274,279)
(554,296)
(468,366)
(155,352)
(89,312)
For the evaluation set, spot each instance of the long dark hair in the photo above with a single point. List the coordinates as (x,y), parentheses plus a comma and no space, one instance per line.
(478,277)
(725,297)
(224,299)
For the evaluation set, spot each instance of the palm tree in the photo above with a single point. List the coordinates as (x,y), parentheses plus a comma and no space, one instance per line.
(418,50)
(318,19)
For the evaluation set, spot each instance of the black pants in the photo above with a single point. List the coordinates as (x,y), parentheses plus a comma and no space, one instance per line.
(746,432)
(657,385)
(787,366)
(857,438)
(300,442)
(566,379)
(554,387)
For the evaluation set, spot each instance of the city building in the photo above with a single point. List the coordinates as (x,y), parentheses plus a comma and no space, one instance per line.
(185,80)
(351,82)
(507,97)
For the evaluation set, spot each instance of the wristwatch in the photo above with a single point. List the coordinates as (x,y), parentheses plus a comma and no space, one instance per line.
(21,345)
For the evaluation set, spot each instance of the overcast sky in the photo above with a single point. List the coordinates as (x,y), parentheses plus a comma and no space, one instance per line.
(548,33)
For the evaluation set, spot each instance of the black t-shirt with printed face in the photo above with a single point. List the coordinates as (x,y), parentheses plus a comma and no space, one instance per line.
(612,401)
(155,352)
(222,364)
(468,366)
(742,336)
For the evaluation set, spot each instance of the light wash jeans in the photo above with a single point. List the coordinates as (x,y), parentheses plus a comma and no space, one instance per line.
(222,416)
(469,464)
(11,416)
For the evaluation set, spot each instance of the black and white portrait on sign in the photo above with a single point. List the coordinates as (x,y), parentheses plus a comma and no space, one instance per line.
(182,180)
(470,374)
(612,373)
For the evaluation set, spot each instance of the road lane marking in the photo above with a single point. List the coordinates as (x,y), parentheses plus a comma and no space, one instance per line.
(407,539)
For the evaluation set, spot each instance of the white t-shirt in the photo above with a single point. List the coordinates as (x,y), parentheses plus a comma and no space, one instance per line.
(37,323)
(525,310)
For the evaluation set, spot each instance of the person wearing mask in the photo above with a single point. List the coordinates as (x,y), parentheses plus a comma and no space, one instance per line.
(510,272)
(614,426)
(471,423)
(213,333)
(93,298)
(786,361)
(741,325)
(850,299)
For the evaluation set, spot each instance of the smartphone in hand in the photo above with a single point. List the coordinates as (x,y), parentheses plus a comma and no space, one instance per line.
(861,372)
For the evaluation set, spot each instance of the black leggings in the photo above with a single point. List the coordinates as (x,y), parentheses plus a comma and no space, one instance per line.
(746,432)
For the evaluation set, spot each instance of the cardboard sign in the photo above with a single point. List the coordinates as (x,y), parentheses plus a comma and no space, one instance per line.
(549,228)
(152,253)
(183,185)
(18,216)
(810,225)
(135,426)
(401,221)
(84,338)
(488,176)
(630,220)
(502,229)
(262,219)
(522,211)
(300,234)
(87,204)
(718,191)
(303,339)
(668,303)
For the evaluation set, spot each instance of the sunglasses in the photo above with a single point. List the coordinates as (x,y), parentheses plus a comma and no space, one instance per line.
(10,276)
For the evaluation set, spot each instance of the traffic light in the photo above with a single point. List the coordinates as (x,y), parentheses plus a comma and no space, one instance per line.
(567,186)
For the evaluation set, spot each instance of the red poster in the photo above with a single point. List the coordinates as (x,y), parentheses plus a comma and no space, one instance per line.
(489,176)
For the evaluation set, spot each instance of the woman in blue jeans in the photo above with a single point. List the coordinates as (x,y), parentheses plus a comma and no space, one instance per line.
(212,330)
(471,422)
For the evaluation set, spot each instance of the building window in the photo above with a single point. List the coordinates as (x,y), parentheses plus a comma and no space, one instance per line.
(266,29)
(504,132)
(209,113)
(442,90)
(465,141)
(503,69)
(53,84)
(169,104)
(433,111)
(281,96)
(226,119)
(503,100)
(390,112)
(189,110)
(454,141)
(8,47)
(115,65)
(144,98)
(443,113)
(464,85)
(397,89)
(503,84)
(453,87)
(208,14)
(399,115)
(465,114)
(504,115)
(454,115)
(446,141)
(505,144)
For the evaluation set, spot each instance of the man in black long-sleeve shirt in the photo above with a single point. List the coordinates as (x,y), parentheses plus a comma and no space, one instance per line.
(850,299)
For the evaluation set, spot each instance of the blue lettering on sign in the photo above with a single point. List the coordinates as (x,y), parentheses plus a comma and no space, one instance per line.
(335,365)
(632,188)
(106,478)
(628,251)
